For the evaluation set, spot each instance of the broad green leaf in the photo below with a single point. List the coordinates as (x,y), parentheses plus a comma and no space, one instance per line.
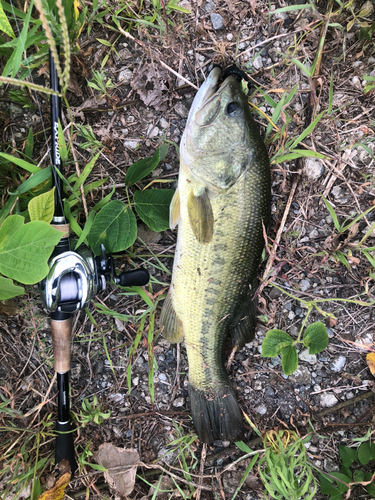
(348,455)
(274,342)
(340,486)
(370,488)
(316,337)
(8,289)
(42,207)
(366,452)
(142,168)
(326,486)
(152,206)
(358,475)
(5,25)
(26,248)
(289,359)
(114,226)
(33,169)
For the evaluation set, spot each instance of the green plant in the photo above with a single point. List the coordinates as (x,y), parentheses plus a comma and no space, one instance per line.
(84,455)
(90,141)
(277,342)
(92,412)
(100,82)
(339,485)
(284,467)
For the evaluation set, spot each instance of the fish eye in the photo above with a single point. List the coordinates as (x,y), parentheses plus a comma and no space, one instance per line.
(232,108)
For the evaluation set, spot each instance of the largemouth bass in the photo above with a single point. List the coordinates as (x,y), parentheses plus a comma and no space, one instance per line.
(221,204)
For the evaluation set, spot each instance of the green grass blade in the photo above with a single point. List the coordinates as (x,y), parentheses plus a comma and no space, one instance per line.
(308,131)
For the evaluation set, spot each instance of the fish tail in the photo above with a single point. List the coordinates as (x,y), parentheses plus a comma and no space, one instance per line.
(216,414)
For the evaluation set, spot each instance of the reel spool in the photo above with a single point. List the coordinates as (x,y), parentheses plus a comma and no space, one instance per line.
(74,278)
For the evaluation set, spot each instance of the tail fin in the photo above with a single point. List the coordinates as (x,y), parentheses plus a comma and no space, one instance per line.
(216,414)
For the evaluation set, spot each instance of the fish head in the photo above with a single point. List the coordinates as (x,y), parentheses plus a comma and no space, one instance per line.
(215,146)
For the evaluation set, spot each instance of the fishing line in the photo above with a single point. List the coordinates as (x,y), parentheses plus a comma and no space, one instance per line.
(57,187)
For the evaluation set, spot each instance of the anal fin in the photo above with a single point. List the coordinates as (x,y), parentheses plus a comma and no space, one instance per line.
(201,216)
(245,320)
(173,330)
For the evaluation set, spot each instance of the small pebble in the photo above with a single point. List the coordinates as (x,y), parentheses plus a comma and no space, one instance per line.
(313,169)
(163,123)
(304,285)
(210,6)
(179,402)
(125,76)
(338,364)
(217,21)
(258,62)
(162,376)
(181,110)
(261,409)
(327,400)
(308,358)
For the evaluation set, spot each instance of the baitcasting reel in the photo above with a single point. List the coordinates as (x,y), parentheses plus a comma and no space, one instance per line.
(76,277)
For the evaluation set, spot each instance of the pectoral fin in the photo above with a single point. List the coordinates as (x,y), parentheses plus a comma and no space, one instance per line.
(174,210)
(201,216)
(173,330)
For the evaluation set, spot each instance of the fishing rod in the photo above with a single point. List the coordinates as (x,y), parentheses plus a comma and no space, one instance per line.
(74,278)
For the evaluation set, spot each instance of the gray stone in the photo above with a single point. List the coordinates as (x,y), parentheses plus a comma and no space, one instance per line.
(163,123)
(261,409)
(313,168)
(327,400)
(330,465)
(304,285)
(152,131)
(162,376)
(15,111)
(301,376)
(131,143)
(258,62)
(179,402)
(125,76)
(210,6)
(338,364)
(308,358)
(217,21)
(181,110)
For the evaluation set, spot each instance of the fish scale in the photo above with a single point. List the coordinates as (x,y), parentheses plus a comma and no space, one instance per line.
(223,201)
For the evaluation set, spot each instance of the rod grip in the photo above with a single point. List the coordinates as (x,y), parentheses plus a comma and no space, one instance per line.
(61,338)
(65,446)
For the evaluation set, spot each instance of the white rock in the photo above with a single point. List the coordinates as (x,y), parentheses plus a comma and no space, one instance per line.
(163,123)
(152,131)
(304,285)
(301,376)
(327,399)
(135,380)
(131,143)
(179,402)
(258,62)
(229,37)
(125,76)
(181,110)
(261,409)
(313,168)
(308,358)
(338,364)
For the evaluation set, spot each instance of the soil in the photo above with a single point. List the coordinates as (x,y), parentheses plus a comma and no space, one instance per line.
(149,104)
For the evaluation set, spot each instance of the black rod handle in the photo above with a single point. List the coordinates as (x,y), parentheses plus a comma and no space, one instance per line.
(65,445)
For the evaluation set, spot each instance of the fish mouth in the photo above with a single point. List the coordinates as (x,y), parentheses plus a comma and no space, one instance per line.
(208,92)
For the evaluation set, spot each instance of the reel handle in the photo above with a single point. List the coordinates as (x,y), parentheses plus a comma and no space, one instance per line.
(138,277)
